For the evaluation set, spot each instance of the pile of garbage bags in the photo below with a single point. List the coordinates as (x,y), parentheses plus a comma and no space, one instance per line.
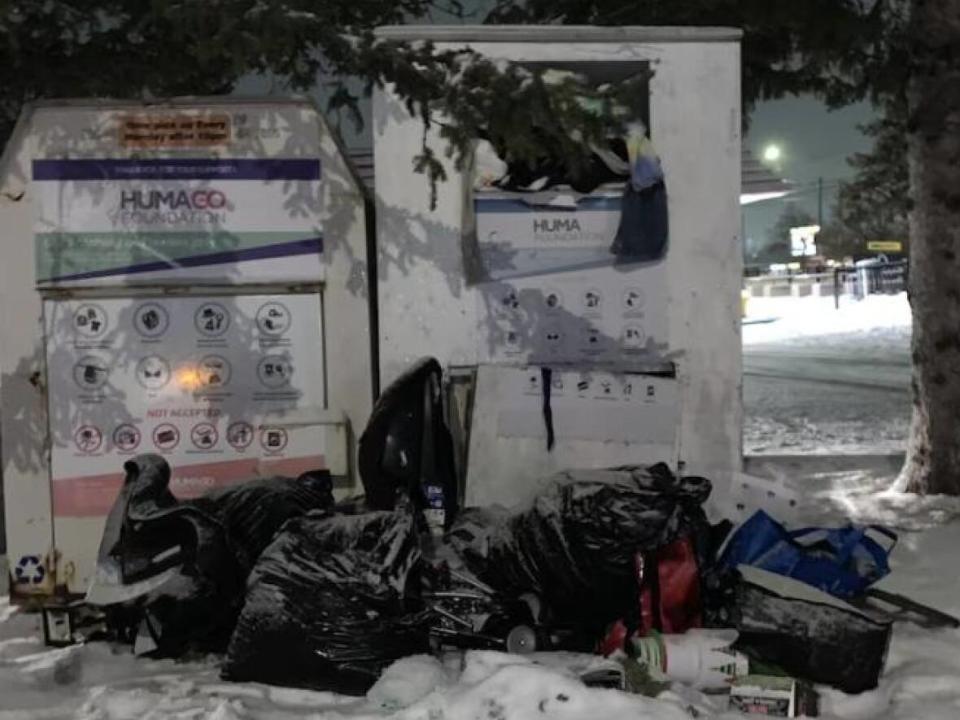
(299,591)
(295,588)
(173,572)
(577,543)
(337,592)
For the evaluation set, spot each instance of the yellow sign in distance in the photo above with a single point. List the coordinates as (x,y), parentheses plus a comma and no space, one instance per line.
(885,246)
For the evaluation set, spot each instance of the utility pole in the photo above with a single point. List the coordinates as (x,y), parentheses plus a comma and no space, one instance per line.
(820,201)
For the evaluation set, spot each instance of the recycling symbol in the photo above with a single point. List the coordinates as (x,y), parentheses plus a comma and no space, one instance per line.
(29,570)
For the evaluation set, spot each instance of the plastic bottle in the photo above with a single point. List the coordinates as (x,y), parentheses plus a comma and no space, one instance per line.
(700,658)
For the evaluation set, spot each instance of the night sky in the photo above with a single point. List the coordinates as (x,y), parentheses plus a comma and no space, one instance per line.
(815,143)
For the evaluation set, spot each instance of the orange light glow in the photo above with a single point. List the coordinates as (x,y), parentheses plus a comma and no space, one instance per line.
(188,378)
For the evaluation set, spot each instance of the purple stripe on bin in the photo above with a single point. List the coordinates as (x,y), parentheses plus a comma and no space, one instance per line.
(178,169)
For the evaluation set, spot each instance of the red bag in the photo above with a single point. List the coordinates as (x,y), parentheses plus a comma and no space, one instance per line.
(670,589)
(669,597)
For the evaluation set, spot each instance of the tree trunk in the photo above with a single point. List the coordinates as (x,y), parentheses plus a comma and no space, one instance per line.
(933,452)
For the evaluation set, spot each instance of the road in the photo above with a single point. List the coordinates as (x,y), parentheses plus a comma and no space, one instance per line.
(837,394)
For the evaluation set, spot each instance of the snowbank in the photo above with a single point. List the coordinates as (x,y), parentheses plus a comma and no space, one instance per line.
(773,320)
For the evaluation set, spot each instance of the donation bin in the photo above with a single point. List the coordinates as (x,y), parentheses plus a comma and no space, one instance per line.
(185,278)
(583,323)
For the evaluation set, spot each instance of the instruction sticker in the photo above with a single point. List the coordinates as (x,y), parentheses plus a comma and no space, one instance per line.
(173,130)
(205,382)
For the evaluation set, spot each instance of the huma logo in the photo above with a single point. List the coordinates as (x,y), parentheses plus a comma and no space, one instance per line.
(203,206)
(157,200)
(557,225)
(585,233)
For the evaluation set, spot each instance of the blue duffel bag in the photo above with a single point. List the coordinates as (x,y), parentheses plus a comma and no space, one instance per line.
(842,561)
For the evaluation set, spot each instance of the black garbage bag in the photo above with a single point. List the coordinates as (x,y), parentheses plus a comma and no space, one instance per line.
(254,511)
(164,567)
(808,633)
(331,602)
(130,551)
(174,570)
(406,450)
(575,547)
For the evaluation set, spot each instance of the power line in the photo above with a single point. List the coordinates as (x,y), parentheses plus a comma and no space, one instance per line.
(814,187)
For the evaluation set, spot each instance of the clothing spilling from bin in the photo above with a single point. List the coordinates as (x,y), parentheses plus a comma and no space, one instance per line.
(292,588)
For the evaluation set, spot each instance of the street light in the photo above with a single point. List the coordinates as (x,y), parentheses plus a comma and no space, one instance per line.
(772,153)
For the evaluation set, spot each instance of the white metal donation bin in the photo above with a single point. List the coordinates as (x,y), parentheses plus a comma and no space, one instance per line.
(566,346)
(187,279)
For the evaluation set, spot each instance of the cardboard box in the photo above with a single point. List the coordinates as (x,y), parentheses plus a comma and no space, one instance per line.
(773,696)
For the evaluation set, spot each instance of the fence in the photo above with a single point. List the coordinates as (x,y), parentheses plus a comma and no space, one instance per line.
(875,278)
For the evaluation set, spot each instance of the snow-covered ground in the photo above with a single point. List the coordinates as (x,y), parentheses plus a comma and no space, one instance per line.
(812,321)
(824,380)
(97,682)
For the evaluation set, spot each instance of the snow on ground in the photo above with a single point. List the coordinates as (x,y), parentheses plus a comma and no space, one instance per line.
(823,380)
(97,682)
(815,320)
(920,679)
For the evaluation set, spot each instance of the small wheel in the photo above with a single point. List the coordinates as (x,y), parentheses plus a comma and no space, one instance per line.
(521,640)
